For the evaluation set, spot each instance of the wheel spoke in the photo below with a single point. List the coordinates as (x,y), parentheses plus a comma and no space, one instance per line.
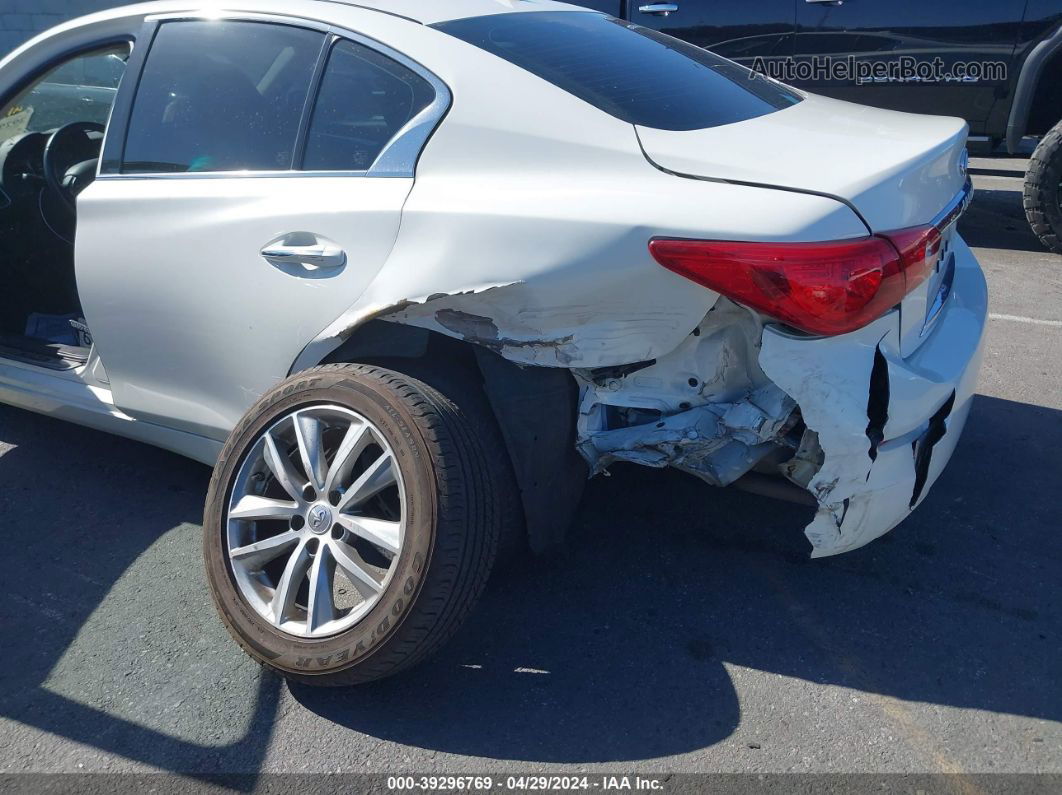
(311,450)
(280,465)
(288,585)
(379,475)
(256,555)
(251,507)
(321,608)
(384,534)
(357,572)
(353,445)
(340,459)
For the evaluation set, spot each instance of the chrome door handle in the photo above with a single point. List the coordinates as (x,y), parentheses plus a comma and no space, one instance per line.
(659,9)
(825,2)
(321,255)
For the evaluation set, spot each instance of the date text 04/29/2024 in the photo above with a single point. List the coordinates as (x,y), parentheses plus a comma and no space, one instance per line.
(605,783)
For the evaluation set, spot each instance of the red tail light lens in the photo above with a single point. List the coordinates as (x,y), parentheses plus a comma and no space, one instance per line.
(821,288)
(919,248)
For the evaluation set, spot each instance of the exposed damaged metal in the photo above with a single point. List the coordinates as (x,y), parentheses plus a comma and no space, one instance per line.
(483,331)
(461,315)
(718,442)
(666,413)
(354,321)
(601,375)
(513,320)
(807,460)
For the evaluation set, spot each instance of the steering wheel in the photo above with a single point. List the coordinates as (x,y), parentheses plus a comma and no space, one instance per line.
(65,179)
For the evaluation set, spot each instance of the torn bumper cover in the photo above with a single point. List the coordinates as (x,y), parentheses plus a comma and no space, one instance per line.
(864,422)
(886,424)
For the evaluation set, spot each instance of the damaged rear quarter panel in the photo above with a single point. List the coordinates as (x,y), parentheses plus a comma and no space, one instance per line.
(543,257)
(566,281)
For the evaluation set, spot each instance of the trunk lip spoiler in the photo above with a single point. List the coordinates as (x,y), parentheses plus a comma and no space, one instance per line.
(955,208)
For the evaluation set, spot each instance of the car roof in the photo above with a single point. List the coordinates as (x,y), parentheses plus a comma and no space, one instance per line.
(114,21)
(429,12)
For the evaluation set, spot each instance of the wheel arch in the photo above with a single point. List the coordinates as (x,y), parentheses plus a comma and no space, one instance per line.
(1037,91)
(1046,110)
(535,409)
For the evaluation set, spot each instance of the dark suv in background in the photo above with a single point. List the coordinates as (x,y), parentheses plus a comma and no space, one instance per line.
(995,63)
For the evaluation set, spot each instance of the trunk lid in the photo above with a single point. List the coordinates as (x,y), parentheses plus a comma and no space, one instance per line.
(896,169)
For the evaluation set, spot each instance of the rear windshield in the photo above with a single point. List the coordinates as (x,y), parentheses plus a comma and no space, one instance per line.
(634,73)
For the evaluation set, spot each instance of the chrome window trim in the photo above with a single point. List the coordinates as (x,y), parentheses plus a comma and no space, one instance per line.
(399,156)
(285,174)
(242,16)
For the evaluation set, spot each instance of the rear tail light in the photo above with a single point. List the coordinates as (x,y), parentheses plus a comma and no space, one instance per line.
(820,288)
(919,248)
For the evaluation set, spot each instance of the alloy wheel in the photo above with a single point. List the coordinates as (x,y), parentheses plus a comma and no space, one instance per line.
(316,520)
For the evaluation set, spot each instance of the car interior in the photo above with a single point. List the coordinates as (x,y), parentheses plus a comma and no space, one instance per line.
(50,139)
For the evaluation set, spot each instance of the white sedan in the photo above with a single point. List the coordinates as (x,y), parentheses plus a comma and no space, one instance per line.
(405,272)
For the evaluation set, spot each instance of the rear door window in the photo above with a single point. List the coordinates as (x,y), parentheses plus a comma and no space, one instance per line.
(634,73)
(221,96)
(364,100)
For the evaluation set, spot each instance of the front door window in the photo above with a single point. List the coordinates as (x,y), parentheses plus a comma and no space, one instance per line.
(80,89)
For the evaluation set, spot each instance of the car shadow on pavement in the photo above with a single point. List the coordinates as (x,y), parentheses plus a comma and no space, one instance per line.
(632,644)
(629,645)
(101,564)
(996,219)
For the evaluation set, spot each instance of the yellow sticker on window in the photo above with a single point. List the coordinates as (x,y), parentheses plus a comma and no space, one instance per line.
(15,123)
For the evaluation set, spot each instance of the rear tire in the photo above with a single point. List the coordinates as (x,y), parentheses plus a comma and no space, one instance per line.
(453,483)
(1043,190)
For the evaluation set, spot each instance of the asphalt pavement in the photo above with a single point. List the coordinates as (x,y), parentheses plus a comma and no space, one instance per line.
(683,629)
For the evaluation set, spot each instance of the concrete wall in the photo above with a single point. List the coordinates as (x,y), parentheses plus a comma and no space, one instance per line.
(21,19)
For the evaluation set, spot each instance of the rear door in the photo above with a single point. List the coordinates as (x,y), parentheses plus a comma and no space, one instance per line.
(963,35)
(258,191)
(736,29)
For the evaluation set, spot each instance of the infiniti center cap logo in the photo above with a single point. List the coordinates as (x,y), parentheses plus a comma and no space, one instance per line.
(319,518)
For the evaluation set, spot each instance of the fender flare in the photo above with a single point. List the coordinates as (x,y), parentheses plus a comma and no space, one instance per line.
(1025,89)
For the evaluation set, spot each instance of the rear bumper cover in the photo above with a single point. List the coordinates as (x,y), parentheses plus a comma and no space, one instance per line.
(864,486)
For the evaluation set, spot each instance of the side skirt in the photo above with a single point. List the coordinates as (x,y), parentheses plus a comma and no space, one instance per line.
(67,395)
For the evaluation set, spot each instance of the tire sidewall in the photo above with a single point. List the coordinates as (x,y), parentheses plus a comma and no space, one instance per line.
(1043,193)
(1052,187)
(306,656)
